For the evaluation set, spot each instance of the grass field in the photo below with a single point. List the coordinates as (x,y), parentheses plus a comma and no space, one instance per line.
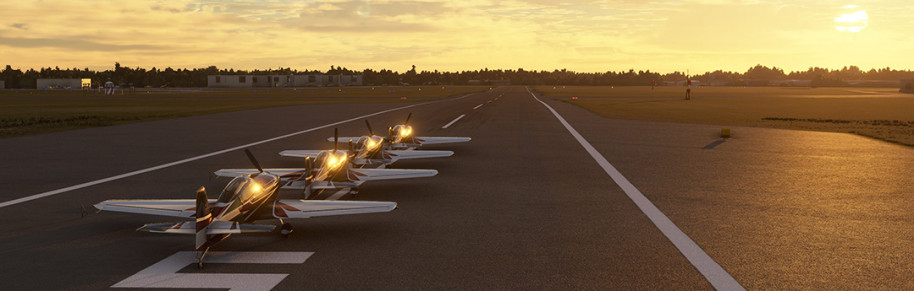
(880,113)
(26,112)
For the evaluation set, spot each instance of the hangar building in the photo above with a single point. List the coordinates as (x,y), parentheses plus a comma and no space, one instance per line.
(63,83)
(254,81)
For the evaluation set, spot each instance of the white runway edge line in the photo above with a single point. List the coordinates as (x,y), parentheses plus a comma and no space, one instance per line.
(162,166)
(452,121)
(713,272)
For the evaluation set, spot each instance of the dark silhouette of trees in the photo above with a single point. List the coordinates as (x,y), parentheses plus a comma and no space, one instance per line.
(170,77)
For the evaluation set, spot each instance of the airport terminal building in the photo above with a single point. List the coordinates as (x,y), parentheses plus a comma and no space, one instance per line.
(266,81)
(63,83)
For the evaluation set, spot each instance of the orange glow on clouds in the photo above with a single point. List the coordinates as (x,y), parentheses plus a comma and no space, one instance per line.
(592,36)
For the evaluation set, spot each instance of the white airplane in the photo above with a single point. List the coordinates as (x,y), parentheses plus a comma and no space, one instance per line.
(246,199)
(334,171)
(400,137)
(372,151)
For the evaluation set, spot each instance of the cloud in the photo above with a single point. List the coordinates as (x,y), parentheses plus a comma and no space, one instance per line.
(72,44)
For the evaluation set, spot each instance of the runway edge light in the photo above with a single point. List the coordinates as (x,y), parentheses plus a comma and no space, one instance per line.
(725,132)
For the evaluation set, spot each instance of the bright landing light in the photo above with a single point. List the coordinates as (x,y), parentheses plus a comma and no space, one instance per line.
(853,21)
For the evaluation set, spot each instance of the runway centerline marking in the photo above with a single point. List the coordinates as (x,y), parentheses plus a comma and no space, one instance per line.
(162,166)
(164,274)
(452,121)
(477,106)
(711,270)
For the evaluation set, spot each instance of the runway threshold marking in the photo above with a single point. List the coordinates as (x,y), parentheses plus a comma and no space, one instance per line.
(711,270)
(164,274)
(453,121)
(162,166)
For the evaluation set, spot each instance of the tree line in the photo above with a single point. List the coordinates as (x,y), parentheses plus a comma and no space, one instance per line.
(169,77)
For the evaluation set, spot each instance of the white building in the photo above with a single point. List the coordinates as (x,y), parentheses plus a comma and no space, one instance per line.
(229,81)
(311,80)
(63,83)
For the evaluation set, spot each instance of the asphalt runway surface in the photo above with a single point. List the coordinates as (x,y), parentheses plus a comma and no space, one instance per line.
(521,206)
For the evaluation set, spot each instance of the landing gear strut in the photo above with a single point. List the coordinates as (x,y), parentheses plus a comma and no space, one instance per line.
(200,260)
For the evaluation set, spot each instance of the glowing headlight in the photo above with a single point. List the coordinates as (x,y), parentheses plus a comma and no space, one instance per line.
(405,131)
(331,161)
(255,187)
(371,144)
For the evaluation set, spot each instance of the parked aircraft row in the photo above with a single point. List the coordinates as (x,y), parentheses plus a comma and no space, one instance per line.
(253,194)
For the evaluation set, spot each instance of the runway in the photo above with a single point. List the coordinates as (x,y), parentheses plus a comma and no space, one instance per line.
(521,206)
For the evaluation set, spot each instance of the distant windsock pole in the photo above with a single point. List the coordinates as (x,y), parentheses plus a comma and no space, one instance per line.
(688,95)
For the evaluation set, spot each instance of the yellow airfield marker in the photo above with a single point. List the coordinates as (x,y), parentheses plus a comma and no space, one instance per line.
(725,132)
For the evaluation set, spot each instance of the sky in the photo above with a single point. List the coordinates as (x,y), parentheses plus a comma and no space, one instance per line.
(584,36)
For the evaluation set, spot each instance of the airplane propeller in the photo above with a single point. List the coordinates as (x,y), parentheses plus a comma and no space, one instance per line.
(335,139)
(253,160)
(370,132)
(407,118)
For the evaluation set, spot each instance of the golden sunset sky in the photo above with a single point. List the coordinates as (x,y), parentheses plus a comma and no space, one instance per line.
(586,36)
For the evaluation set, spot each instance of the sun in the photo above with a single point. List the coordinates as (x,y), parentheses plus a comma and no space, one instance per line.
(854,20)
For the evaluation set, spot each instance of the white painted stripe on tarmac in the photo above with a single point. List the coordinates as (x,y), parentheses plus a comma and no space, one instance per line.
(713,272)
(452,121)
(162,166)
(477,106)
(164,273)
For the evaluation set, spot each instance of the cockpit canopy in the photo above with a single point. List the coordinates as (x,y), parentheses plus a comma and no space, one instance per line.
(245,187)
(330,159)
(370,142)
(402,131)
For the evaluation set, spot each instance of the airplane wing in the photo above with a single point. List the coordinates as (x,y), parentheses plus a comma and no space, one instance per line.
(394,155)
(362,175)
(282,172)
(345,139)
(217,227)
(165,207)
(288,208)
(425,140)
(301,153)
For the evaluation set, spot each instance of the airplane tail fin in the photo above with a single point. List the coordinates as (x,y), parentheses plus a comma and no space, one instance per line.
(204,218)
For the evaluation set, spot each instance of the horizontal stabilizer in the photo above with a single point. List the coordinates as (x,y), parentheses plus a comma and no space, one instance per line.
(281,172)
(303,153)
(164,207)
(427,140)
(362,175)
(312,208)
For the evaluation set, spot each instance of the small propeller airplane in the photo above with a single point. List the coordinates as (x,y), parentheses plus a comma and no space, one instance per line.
(330,169)
(372,151)
(246,199)
(400,137)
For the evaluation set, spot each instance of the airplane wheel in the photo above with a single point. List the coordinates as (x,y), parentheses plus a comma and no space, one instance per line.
(286,229)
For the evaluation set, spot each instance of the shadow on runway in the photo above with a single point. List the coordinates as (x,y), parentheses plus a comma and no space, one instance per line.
(714,144)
